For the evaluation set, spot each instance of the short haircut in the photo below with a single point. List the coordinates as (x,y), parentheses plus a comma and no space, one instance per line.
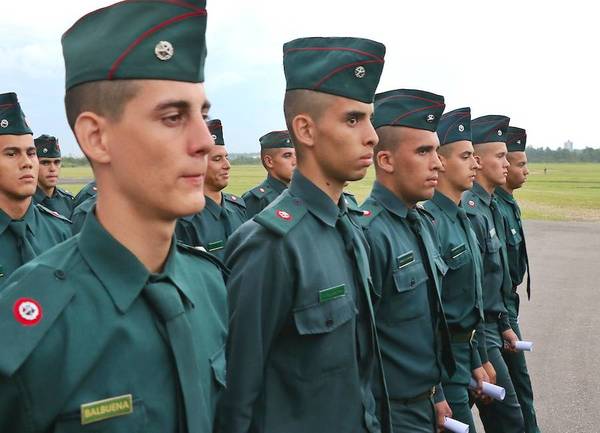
(105,98)
(388,140)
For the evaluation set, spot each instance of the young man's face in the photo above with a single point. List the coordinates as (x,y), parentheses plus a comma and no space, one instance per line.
(18,166)
(217,172)
(345,139)
(518,170)
(49,172)
(416,163)
(281,163)
(493,163)
(459,166)
(158,149)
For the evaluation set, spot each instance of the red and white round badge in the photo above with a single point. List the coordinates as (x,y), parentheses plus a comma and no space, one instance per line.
(283,215)
(27,311)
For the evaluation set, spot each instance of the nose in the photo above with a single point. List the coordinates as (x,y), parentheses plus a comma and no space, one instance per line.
(371,138)
(475,164)
(436,162)
(200,140)
(226,164)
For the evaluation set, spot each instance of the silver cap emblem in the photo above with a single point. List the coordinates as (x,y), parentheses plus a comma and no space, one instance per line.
(360,72)
(164,50)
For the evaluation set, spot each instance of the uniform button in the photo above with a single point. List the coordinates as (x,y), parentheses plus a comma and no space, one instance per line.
(59,274)
(412,282)
(329,323)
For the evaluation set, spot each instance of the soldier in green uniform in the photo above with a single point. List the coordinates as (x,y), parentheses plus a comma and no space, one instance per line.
(90,190)
(121,329)
(489,142)
(26,229)
(518,264)
(47,193)
(278,157)
(80,213)
(302,346)
(223,213)
(406,265)
(461,286)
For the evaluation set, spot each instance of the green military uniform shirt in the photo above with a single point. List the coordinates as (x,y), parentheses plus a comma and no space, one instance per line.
(43,228)
(515,238)
(80,213)
(81,344)
(259,197)
(61,201)
(461,286)
(302,346)
(86,192)
(408,313)
(212,227)
(488,225)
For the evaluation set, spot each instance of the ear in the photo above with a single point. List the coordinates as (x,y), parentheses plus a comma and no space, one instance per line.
(268,161)
(443,161)
(478,160)
(304,129)
(385,161)
(90,130)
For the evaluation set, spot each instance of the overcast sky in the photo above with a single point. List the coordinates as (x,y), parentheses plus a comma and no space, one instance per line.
(534,61)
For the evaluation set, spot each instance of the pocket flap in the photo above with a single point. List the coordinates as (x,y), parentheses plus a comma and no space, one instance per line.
(219,366)
(325,316)
(514,238)
(459,260)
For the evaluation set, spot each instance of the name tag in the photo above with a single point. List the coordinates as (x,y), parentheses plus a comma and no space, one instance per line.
(216,245)
(332,293)
(1,271)
(513,231)
(405,259)
(457,251)
(492,232)
(105,409)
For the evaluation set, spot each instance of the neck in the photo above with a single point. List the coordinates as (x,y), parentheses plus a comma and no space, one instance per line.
(449,190)
(332,187)
(48,190)
(148,238)
(279,179)
(507,189)
(215,196)
(15,209)
(391,185)
(486,184)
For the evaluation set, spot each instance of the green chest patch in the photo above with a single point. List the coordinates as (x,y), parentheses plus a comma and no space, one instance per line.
(1,271)
(405,259)
(332,293)
(105,409)
(457,251)
(216,245)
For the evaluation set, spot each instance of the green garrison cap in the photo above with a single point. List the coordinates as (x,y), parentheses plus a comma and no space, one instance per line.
(138,39)
(487,129)
(47,146)
(216,129)
(275,140)
(455,126)
(516,139)
(407,107)
(12,118)
(348,67)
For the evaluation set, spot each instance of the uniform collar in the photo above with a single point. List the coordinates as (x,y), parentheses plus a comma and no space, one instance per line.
(504,195)
(389,200)
(29,218)
(445,204)
(120,272)
(483,195)
(212,207)
(316,201)
(276,184)
(40,195)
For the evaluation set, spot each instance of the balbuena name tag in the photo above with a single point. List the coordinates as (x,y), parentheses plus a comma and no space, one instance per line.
(216,245)
(105,409)
(492,232)
(405,259)
(332,293)
(457,251)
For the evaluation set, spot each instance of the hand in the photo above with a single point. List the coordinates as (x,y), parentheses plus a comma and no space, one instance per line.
(510,339)
(480,376)
(442,410)
(490,371)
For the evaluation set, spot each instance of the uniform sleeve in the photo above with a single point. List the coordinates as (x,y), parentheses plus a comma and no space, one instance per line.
(260,290)
(13,413)
(439,394)
(481,343)
(504,324)
(378,263)
(476,358)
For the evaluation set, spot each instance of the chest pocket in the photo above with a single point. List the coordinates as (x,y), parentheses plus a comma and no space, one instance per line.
(457,257)
(135,422)
(492,244)
(410,299)
(324,317)
(219,367)
(514,238)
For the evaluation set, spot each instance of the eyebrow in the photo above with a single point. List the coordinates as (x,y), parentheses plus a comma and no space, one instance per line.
(18,149)
(359,114)
(425,147)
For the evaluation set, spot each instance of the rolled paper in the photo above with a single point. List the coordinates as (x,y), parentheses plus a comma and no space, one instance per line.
(524,345)
(490,390)
(455,426)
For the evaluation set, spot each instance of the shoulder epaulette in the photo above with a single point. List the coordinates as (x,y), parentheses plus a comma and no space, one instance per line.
(235,199)
(350,199)
(260,191)
(66,193)
(28,308)
(201,252)
(370,210)
(282,215)
(427,214)
(55,214)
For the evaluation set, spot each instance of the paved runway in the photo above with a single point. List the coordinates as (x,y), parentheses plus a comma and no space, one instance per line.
(563,321)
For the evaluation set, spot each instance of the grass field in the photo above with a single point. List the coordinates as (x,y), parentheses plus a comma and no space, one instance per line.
(567,192)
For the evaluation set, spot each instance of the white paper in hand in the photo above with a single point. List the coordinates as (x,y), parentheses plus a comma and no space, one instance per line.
(455,426)
(490,390)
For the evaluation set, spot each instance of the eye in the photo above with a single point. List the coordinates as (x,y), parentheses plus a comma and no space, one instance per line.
(352,121)
(173,119)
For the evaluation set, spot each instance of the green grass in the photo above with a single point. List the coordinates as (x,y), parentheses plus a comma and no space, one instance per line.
(567,192)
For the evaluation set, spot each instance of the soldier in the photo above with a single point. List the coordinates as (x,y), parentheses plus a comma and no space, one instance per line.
(302,347)
(121,329)
(47,193)
(26,229)
(81,212)
(90,190)
(518,263)
(461,285)
(489,142)
(406,265)
(223,212)
(278,157)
